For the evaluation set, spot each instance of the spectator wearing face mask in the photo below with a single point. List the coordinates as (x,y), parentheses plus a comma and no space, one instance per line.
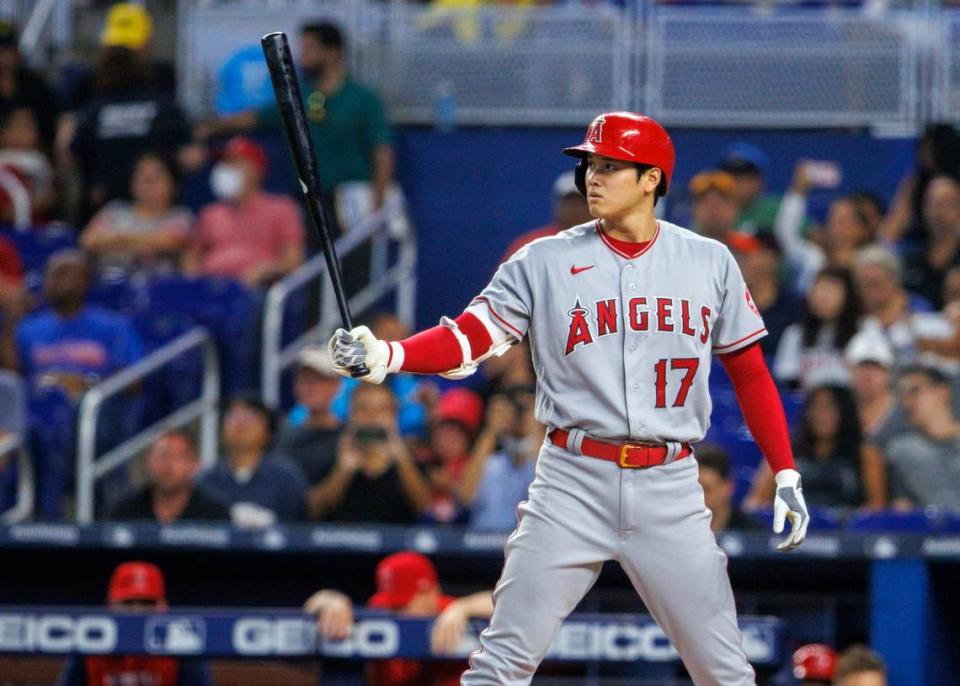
(248,234)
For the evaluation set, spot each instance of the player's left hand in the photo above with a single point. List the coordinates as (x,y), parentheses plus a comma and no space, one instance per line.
(359,346)
(789,504)
(448,629)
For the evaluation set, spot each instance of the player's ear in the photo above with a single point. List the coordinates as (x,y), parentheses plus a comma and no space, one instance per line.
(650,178)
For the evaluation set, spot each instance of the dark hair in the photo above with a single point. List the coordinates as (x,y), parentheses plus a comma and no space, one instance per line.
(167,163)
(327,34)
(856,659)
(368,388)
(861,198)
(253,402)
(849,437)
(846,323)
(859,212)
(119,69)
(933,375)
(944,142)
(714,457)
(188,435)
(661,189)
(12,107)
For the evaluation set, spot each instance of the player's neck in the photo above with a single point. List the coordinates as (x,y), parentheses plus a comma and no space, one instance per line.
(634,228)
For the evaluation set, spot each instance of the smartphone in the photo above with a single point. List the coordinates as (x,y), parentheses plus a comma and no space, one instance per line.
(365,435)
(823,173)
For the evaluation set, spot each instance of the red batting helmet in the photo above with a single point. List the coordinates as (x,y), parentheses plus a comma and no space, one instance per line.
(626,136)
(815,661)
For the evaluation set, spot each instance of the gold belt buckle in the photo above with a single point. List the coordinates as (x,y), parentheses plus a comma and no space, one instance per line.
(623,455)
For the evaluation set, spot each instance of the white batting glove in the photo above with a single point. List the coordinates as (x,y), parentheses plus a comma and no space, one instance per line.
(789,504)
(359,346)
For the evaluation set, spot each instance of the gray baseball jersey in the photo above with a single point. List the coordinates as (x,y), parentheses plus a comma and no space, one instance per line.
(621,349)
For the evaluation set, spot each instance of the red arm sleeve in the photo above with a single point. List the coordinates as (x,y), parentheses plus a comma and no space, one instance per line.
(436,350)
(761,406)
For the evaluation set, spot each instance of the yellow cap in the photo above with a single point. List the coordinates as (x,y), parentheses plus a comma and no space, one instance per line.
(128,25)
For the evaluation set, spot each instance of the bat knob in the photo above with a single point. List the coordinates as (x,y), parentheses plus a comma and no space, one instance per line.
(358,371)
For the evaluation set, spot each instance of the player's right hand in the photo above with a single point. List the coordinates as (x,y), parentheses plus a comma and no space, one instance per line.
(789,504)
(359,346)
(334,614)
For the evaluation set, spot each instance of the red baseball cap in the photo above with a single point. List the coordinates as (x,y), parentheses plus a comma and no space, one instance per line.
(460,405)
(136,581)
(247,149)
(815,661)
(400,577)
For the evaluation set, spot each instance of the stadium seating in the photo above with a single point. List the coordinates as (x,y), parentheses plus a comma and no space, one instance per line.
(225,307)
(36,245)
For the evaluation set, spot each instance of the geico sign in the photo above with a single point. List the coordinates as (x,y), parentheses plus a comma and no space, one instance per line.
(259,636)
(57,634)
(615,642)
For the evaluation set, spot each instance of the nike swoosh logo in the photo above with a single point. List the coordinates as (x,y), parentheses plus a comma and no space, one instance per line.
(576,270)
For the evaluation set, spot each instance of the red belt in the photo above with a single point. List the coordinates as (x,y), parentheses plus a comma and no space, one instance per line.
(629,455)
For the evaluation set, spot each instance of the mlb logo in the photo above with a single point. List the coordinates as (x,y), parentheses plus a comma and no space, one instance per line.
(175,635)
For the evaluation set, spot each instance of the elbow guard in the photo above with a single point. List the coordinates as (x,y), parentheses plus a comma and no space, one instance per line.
(468,365)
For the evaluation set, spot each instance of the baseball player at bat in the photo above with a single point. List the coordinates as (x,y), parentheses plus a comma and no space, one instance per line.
(623,315)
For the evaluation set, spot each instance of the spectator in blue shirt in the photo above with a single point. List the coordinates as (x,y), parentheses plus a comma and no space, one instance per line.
(261,487)
(63,350)
(70,344)
(503,461)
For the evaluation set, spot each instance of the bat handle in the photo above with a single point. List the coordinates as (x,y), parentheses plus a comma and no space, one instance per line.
(359,370)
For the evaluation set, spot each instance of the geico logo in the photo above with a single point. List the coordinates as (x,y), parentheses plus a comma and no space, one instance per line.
(57,634)
(258,636)
(616,642)
(370,638)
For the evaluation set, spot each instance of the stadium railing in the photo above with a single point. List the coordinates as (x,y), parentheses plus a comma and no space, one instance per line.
(19,198)
(781,64)
(13,421)
(276,356)
(91,468)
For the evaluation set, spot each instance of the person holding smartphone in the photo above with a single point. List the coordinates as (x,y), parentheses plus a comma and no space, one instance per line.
(374,478)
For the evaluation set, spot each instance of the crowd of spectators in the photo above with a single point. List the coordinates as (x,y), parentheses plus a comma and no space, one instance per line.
(862,307)
(106,148)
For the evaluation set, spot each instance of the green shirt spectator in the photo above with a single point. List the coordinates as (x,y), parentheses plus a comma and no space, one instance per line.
(759,216)
(347,125)
(347,119)
(748,165)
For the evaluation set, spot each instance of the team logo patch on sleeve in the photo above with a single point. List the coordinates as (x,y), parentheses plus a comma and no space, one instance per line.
(752,305)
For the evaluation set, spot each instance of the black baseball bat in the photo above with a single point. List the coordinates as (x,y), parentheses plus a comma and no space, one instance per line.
(286,89)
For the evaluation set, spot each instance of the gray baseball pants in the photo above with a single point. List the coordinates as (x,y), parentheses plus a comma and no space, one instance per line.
(582,511)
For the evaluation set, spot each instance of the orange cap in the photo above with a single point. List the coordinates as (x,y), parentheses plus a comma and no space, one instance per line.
(720,181)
